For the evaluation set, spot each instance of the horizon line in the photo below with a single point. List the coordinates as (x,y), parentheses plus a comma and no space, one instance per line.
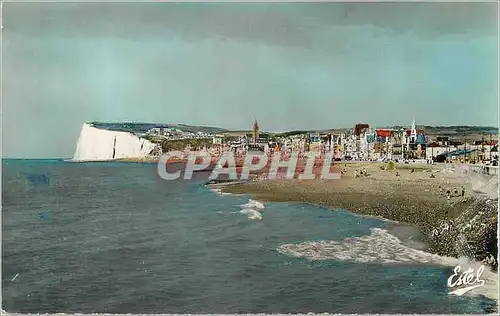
(285,131)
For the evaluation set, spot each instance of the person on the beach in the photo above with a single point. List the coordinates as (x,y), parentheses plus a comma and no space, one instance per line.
(448,193)
(463,191)
(397,174)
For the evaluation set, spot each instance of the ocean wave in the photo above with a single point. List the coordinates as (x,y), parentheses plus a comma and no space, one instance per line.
(253,204)
(381,247)
(378,247)
(218,191)
(252,214)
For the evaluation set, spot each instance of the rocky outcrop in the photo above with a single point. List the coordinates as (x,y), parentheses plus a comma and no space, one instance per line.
(472,234)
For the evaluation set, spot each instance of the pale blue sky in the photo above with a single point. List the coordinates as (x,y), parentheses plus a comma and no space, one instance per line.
(292,65)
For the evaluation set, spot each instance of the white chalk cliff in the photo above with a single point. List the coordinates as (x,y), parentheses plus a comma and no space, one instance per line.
(96,144)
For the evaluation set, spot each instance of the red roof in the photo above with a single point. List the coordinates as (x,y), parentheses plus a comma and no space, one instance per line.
(359,128)
(383,132)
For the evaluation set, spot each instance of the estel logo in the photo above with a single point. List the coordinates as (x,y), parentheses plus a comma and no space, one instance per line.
(469,277)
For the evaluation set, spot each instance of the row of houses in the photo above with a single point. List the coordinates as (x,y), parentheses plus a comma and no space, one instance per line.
(465,153)
(174,134)
(365,143)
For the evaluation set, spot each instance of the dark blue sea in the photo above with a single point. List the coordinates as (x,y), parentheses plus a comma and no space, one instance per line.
(115,238)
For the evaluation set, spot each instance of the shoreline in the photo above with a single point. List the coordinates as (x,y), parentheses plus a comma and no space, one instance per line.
(411,207)
(411,199)
(388,224)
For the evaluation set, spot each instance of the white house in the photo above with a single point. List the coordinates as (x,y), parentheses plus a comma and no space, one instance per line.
(435,151)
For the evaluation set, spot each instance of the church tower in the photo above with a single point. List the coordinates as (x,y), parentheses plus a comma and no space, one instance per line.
(412,139)
(413,133)
(255,130)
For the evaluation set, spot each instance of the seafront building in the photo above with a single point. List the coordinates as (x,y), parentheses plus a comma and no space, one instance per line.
(362,142)
(366,143)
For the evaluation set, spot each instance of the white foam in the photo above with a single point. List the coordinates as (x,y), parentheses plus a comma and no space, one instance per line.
(479,182)
(382,247)
(218,191)
(378,247)
(253,204)
(252,214)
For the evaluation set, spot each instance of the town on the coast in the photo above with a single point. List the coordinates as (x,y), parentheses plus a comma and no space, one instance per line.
(460,144)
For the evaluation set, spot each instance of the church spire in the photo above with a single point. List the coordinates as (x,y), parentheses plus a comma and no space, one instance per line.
(255,130)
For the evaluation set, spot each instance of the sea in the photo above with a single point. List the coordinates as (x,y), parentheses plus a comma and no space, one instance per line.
(116,238)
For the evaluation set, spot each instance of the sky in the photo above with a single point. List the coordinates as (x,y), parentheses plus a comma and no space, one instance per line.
(290,65)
